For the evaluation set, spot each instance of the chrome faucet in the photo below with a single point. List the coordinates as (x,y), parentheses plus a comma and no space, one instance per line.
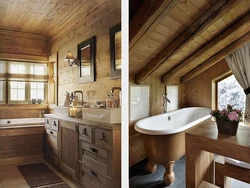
(81,95)
(165,101)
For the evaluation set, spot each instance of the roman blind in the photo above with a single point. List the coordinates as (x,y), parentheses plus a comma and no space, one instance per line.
(23,71)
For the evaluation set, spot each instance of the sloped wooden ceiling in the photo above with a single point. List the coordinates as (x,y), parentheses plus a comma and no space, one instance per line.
(179,39)
(44,17)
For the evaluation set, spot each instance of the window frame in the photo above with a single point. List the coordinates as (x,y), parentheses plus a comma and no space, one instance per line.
(4,92)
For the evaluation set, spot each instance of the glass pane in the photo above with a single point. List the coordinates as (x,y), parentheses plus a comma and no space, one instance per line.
(21,94)
(13,84)
(40,94)
(21,85)
(13,94)
(230,92)
(33,94)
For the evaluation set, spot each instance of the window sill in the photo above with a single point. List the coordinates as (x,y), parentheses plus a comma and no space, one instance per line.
(23,106)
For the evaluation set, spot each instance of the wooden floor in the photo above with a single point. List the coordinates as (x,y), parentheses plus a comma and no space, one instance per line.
(10,177)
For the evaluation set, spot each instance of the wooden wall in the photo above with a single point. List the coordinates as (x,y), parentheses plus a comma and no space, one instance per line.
(96,23)
(22,111)
(198,91)
(23,46)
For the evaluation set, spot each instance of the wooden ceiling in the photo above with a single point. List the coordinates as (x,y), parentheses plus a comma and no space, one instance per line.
(45,17)
(179,39)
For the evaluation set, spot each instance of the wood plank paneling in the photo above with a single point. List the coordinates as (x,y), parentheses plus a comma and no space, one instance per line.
(22,111)
(23,46)
(26,146)
(96,23)
(198,91)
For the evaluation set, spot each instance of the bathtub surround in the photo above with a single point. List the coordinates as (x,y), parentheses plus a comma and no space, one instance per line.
(168,131)
(21,143)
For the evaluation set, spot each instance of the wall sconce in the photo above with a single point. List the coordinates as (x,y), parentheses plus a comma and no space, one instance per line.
(70,58)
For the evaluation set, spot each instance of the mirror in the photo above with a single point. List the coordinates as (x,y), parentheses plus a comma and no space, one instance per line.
(86,60)
(115,52)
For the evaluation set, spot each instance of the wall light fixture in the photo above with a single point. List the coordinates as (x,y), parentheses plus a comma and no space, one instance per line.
(70,58)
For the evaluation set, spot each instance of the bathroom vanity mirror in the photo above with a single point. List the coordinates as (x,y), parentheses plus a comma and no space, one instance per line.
(86,60)
(115,52)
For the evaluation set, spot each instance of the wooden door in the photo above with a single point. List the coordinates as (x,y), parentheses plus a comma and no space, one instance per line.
(69,148)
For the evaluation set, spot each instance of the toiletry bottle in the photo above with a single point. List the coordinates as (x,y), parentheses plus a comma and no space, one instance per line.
(112,100)
(108,101)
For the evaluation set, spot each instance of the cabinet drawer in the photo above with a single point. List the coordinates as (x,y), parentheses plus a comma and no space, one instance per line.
(47,123)
(85,132)
(94,164)
(95,150)
(52,142)
(51,133)
(103,138)
(94,176)
(54,125)
(88,184)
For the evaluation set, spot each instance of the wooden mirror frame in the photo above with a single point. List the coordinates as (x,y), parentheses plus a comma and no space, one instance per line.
(114,74)
(92,77)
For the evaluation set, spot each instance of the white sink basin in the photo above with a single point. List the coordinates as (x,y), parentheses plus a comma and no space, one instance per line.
(61,110)
(102,114)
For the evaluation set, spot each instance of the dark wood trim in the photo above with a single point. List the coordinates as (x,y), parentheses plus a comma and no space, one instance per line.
(216,58)
(114,73)
(200,25)
(236,27)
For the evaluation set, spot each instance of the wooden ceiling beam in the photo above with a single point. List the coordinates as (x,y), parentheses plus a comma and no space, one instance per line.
(216,58)
(146,18)
(239,25)
(200,25)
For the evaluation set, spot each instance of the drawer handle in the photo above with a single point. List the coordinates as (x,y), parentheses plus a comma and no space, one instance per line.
(93,149)
(54,124)
(84,131)
(76,128)
(51,132)
(102,136)
(93,173)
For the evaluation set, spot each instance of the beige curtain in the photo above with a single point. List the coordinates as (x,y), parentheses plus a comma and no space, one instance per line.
(239,63)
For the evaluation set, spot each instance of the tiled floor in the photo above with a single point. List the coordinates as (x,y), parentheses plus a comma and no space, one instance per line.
(140,178)
(10,177)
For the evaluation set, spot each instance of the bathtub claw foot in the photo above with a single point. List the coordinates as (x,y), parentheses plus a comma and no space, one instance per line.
(169,175)
(151,166)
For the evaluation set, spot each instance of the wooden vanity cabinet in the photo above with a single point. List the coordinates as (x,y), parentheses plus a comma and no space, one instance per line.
(99,157)
(68,148)
(51,142)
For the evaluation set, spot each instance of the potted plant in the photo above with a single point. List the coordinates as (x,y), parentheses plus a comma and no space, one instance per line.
(227,120)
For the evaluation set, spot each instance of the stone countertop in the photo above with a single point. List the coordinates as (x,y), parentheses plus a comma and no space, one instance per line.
(86,122)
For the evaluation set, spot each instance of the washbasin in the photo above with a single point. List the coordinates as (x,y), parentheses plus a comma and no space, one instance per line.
(112,115)
(61,110)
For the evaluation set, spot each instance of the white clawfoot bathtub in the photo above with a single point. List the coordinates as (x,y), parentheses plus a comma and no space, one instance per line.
(164,137)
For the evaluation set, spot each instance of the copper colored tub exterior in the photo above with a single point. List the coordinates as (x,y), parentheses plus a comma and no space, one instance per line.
(164,144)
(162,149)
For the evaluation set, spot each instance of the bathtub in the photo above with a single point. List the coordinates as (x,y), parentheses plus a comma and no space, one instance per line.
(21,122)
(164,137)
(21,140)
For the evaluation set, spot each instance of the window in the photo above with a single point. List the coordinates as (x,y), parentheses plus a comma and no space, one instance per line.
(37,90)
(230,92)
(25,81)
(17,91)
